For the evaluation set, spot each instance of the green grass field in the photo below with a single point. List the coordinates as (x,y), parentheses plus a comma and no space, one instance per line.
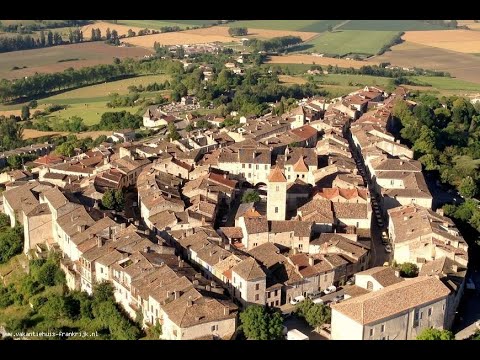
(90,102)
(443,83)
(345,42)
(292,25)
(389,25)
(119,86)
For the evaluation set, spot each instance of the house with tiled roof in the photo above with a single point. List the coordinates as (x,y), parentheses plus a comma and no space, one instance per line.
(420,235)
(377,278)
(249,281)
(396,312)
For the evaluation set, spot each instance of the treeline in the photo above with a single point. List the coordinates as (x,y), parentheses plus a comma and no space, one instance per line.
(237,31)
(40,85)
(277,44)
(444,23)
(25,42)
(397,39)
(118,120)
(41,25)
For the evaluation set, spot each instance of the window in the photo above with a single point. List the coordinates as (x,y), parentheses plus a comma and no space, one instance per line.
(255,244)
(443,307)
(300,246)
(256,167)
(240,284)
(101,270)
(234,280)
(269,295)
(257,286)
(276,209)
(174,332)
(257,297)
(249,166)
(266,167)
(249,174)
(277,188)
(243,166)
(391,182)
(276,292)
(369,285)
(214,327)
(371,332)
(382,328)
(288,176)
(325,277)
(303,176)
(357,224)
(156,312)
(277,302)
(430,311)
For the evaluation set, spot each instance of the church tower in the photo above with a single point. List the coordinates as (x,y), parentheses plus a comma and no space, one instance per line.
(277,195)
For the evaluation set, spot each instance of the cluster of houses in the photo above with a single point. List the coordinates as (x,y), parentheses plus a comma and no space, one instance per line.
(188,253)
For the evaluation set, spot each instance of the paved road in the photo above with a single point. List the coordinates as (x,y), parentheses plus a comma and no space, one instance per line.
(468,311)
(294,322)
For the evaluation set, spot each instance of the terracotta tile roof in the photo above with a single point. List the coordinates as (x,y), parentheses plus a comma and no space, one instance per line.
(385,275)
(276,175)
(249,270)
(305,132)
(256,225)
(300,166)
(267,254)
(232,232)
(392,300)
(350,211)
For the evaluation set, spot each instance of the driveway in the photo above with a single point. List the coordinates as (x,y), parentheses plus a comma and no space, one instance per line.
(294,322)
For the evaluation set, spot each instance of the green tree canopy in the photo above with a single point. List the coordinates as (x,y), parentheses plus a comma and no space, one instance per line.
(250,196)
(408,270)
(435,334)
(468,187)
(260,323)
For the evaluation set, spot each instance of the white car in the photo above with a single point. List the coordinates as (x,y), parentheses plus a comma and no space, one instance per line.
(330,289)
(297,300)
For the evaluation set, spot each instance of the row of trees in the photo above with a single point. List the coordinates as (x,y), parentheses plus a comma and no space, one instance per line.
(40,25)
(25,42)
(42,84)
(277,44)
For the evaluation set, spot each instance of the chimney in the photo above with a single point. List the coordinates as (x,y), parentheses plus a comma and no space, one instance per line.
(226,310)
(212,284)
(440,212)
(176,295)
(146,249)
(227,247)
(445,223)
(207,288)
(401,162)
(147,232)
(455,268)
(123,226)
(405,218)
(81,228)
(397,273)
(311,261)
(195,282)
(99,242)
(180,264)
(224,176)
(189,302)
(355,171)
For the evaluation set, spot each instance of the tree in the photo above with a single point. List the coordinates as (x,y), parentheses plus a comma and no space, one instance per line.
(47,273)
(25,112)
(108,199)
(103,292)
(108,34)
(435,334)
(260,323)
(65,149)
(238,31)
(408,270)
(11,243)
(42,39)
(49,38)
(314,314)
(330,28)
(250,196)
(468,187)
(119,200)
(173,132)
(131,33)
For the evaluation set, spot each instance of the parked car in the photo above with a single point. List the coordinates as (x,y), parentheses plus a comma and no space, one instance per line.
(314,295)
(388,248)
(297,300)
(338,298)
(330,289)
(318,301)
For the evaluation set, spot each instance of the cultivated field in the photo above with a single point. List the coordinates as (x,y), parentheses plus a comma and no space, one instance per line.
(342,42)
(389,25)
(46,60)
(462,66)
(293,25)
(187,37)
(252,33)
(317,60)
(157,24)
(456,40)
(291,80)
(103,26)
(33,134)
